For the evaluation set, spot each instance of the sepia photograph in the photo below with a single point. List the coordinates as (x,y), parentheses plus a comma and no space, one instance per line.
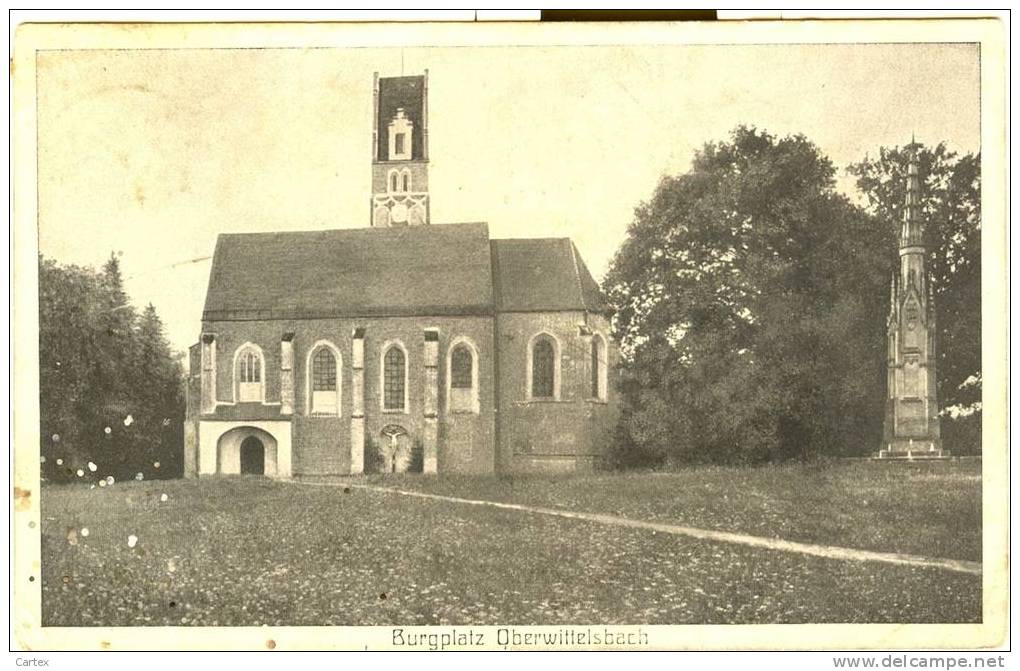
(561,336)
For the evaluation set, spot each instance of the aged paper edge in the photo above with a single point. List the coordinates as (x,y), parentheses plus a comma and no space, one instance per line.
(30,38)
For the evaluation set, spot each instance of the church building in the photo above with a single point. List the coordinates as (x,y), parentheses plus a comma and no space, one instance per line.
(400,346)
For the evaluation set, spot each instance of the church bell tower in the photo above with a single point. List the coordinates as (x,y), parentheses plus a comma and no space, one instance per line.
(400,151)
(912,413)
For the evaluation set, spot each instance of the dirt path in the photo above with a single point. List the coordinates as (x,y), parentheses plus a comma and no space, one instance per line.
(827,551)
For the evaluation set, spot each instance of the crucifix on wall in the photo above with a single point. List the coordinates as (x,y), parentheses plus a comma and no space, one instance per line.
(394,432)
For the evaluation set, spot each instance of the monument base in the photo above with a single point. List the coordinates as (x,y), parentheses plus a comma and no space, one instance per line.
(912,449)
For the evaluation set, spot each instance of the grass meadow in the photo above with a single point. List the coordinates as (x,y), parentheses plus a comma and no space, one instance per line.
(252,551)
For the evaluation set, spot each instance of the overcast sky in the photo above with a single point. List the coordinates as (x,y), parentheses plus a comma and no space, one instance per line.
(153,153)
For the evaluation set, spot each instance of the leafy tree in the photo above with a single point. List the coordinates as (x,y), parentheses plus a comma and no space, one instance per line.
(67,296)
(110,388)
(749,307)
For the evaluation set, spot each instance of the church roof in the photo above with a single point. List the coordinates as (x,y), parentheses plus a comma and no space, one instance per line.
(434,270)
(413,270)
(539,274)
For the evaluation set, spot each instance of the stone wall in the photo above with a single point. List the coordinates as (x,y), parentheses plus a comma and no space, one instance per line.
(572,432)
(190,448)
(322,444)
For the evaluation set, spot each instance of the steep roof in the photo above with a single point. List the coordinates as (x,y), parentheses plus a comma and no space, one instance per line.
(538,274)
(435,270)
(418,270)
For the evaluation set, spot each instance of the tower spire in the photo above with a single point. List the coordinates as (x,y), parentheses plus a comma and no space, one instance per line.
(911,235)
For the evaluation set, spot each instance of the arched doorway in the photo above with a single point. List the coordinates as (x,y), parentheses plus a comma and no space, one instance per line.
(247,450)
(253,456)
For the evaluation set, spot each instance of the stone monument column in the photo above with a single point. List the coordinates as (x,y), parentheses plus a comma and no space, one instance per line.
(912,428)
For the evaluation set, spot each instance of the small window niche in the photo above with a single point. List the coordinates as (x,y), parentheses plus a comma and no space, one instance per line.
(400,130)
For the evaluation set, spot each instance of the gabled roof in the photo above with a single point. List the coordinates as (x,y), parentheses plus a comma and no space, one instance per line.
(417,270)
(539,274)
(434,270)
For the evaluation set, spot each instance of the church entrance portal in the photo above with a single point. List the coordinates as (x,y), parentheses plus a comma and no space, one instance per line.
(253,456)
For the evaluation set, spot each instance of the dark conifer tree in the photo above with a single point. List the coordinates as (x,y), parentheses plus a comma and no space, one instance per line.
(110,388)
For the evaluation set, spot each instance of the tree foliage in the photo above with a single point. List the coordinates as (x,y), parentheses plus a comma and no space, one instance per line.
(750,306)
(110,389)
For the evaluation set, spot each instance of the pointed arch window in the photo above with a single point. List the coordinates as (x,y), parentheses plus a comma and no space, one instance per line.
(462,377)
(323,379)
(462,367)
(249,368)
(544,368)
(405,180)
(394,379)
(393,181)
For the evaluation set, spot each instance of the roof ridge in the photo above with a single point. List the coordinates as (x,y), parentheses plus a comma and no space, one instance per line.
(529,239)
(383,230)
